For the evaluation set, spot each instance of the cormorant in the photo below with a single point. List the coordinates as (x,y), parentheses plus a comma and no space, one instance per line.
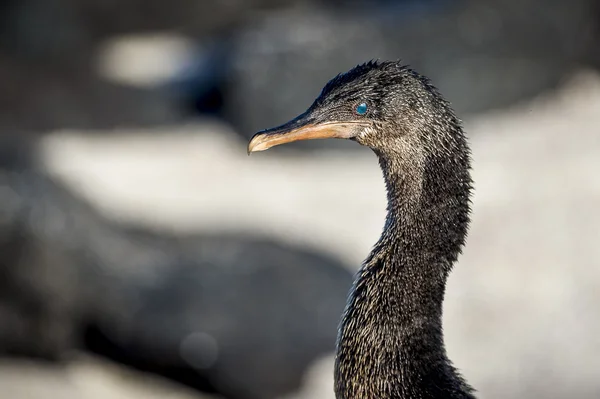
(390,342)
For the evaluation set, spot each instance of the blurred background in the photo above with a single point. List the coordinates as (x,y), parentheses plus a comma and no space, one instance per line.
(144,255)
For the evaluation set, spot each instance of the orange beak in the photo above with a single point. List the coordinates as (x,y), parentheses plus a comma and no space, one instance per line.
(285,134)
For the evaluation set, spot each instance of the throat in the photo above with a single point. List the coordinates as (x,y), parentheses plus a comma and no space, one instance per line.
(390,341)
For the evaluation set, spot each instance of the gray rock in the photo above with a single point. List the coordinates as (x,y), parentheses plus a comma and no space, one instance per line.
(482,55)
(236,315)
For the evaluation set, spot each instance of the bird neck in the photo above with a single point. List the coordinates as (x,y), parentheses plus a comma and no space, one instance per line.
(390,343)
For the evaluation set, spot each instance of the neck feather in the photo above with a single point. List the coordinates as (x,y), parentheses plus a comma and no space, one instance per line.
(390,343)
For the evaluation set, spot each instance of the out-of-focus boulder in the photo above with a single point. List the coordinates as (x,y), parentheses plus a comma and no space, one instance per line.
(481,54)
(236,315)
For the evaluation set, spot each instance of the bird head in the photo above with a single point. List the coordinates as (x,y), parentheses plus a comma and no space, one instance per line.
(383,105)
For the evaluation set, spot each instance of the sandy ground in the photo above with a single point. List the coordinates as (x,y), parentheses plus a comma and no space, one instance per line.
(521,315)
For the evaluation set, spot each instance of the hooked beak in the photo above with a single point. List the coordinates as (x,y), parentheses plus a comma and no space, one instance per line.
(300,128)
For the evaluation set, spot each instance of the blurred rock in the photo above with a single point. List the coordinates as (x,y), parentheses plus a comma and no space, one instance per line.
(49,50)
(41,96)
(236,315)
(481,55)
(59,29)
(247,315)
(259,63)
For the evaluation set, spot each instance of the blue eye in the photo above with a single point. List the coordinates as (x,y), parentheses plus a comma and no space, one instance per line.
(361,109)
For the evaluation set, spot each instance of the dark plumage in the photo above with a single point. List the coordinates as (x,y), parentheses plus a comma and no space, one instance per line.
(390,342)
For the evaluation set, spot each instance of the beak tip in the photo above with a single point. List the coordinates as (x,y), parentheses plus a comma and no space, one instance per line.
(251,146)
(254,144)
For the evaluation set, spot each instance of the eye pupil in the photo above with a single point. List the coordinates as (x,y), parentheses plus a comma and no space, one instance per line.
(361,109)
